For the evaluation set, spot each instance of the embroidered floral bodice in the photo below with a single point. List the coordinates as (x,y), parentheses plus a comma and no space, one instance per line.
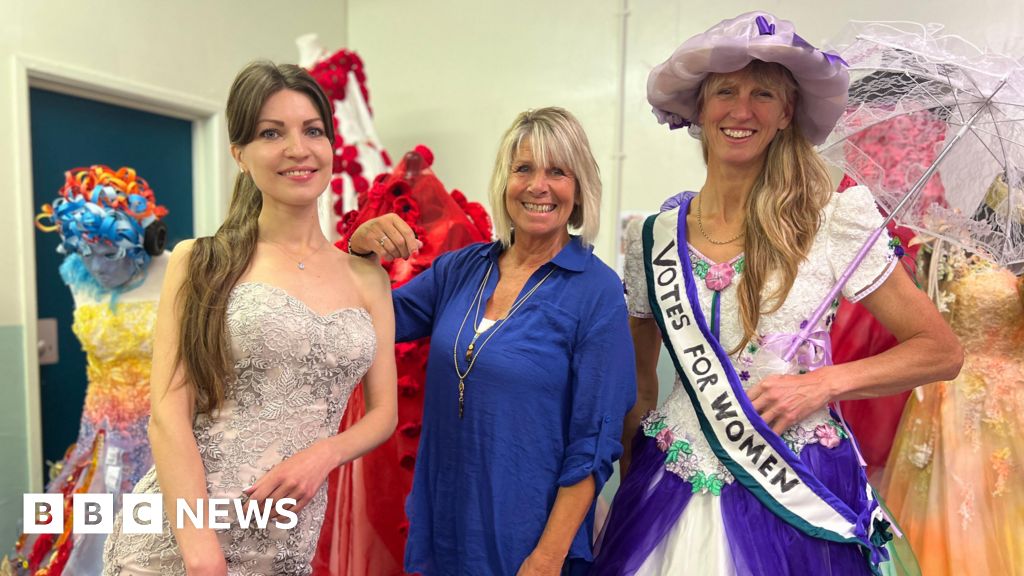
(294,372)
(985,403)
(847,221)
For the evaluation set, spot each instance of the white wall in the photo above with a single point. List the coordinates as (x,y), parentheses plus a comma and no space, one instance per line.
(190,47)
(453,75)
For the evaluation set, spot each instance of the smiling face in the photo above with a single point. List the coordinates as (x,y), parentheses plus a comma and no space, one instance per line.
(291,156)
(539,199)
(740,115)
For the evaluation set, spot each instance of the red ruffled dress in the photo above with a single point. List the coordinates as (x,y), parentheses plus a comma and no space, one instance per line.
(365,529)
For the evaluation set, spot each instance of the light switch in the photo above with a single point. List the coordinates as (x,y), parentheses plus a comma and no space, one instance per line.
(47,333)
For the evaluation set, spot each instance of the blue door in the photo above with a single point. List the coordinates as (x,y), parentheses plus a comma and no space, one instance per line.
(69,132)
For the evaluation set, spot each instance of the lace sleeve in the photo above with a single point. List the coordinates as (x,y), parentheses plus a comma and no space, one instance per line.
(633,271)
(853,216)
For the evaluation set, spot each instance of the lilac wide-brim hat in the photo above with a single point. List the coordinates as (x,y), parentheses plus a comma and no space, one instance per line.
(673,86)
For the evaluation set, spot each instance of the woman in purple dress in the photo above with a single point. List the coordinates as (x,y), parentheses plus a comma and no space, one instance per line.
(744,470)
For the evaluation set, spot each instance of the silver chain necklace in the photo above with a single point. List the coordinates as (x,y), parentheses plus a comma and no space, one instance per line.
(299,261)
(470,355)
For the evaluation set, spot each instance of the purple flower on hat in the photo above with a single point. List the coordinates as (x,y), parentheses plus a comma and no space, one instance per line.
(764,27)
(822,80)
(719,276)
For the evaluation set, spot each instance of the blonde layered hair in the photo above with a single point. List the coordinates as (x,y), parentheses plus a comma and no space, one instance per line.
(217,262)
(557,139)
(784,207)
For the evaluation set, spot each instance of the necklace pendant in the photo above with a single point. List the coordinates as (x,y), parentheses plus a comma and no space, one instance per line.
(462,397)
(469,352)
(302,266)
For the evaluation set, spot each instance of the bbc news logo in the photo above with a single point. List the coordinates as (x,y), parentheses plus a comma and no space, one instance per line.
(144,513)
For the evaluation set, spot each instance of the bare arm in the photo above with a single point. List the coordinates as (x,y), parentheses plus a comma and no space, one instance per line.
(570,509)
(928,351)
(646,349)
(301,475)
(380,385)
(178,465)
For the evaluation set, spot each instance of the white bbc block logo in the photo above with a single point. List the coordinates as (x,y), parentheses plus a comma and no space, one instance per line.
(92,513)
(43,513)
(142,513)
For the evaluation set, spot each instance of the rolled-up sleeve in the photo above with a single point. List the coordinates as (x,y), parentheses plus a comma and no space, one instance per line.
(603,390)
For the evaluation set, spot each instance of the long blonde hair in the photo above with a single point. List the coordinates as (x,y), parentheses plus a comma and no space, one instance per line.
(783,209)
(217,262)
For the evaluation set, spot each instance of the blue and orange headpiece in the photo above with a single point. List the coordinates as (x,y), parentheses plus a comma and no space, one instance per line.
(98,205)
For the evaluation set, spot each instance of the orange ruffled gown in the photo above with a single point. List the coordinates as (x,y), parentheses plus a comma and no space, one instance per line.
(955,476)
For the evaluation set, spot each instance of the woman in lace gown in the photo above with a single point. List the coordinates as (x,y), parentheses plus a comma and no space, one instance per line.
(263,330)
(743,469)
(955,476)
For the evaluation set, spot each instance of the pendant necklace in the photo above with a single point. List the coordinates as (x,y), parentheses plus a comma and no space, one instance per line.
(300,264)
(473,351)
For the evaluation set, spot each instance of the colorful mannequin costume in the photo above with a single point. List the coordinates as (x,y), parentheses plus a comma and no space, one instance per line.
(955,476)
(114,212)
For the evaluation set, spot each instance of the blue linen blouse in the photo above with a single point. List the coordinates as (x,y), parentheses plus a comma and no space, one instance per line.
(544,406)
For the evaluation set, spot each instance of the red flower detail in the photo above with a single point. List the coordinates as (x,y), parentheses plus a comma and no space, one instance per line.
(410,429)
(399,188)
(353,168)
(347,223)
(408,386)
(360,184)
(338,186)
(408,461)
(407,208)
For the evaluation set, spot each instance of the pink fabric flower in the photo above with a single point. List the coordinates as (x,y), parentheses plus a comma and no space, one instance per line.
(719,276)
(827,436)
(664,439)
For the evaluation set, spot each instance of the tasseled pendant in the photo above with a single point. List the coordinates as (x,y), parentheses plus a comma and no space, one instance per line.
(469,352)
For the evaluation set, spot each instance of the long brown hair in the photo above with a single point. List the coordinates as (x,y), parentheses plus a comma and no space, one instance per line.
(217,262)
(783,209)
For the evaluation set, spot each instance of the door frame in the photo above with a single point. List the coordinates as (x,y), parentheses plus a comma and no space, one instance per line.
(209,187)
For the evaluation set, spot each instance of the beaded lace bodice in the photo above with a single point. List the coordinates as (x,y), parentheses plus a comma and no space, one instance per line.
(294,372)
(985,309)
(846,222)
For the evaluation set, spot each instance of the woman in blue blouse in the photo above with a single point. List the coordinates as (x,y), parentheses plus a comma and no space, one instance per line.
(530,370)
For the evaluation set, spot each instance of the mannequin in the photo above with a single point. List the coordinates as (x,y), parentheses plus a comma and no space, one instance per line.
(111,233)
(953,478)
(364,531)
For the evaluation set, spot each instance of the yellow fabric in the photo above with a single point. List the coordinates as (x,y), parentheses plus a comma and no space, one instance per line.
(119,346)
